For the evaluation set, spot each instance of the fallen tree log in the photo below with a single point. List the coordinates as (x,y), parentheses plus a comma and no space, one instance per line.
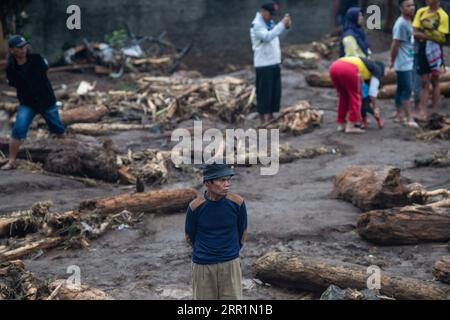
(162,201)
(86,158)
(316,79)
(305,273)
(97,129)
(323,79)
(407,225)
(370,188)
(388,91)
(83,114)
(441,269)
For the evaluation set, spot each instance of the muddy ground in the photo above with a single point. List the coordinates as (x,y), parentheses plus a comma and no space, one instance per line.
(292,210)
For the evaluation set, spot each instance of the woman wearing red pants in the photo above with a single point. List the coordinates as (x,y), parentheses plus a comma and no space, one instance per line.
(347,75)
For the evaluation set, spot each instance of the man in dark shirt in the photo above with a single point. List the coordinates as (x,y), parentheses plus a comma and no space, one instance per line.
(216,225)
(28,74)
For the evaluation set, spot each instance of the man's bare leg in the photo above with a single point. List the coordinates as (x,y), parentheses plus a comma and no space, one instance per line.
(423,105)
(14,146)
(436,92)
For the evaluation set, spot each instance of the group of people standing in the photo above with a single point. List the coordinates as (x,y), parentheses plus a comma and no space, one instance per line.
(416,57)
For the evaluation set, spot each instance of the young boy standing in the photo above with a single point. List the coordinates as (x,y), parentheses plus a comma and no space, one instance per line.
(430,30)
(402,61)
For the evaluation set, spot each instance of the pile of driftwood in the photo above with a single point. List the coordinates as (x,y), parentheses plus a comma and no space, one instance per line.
(26,232)
(298,119)
(436,127)
(153,166)
(299,272)
(307,56)
(16,283)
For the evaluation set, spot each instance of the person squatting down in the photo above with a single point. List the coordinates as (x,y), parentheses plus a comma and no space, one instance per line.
(347,75)
(216,228)
(27,72)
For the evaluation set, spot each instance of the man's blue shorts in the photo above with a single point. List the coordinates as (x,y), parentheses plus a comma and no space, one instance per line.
(404,87)
(25,116)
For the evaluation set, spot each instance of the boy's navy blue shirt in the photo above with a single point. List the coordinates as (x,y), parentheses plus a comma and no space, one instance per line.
(215,228)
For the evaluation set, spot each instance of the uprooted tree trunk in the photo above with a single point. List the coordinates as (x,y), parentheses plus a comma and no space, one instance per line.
(441,269)
(305,273)
(370,188)
(83,114)
(407,225)
(162,201)
(77,157)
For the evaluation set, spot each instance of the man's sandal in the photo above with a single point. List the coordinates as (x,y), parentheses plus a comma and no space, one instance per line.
(9,166)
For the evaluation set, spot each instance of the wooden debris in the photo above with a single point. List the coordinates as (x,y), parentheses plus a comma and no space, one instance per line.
(125,176)
(289,154)
(71,156)
(65,291)
(437,126)
(299,119)
(98,129)
(306,273)
(32,246)
(316,79)
(438,159)
(18,284)
(388,91)
(162,201)
(407,225)
(441,270)
(370,188)
(83,114)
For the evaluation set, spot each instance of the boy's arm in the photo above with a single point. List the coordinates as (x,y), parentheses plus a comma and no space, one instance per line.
(394,52)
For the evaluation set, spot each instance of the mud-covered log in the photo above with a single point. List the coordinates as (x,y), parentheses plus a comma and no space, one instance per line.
(306,273)
(441,269)
(86,158)
(162,201)
(370,188)
(407,225)
(83,114)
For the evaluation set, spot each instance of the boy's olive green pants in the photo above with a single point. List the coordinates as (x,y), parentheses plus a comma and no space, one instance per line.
(222,281)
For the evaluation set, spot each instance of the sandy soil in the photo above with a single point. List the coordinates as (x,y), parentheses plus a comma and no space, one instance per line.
(151,261)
